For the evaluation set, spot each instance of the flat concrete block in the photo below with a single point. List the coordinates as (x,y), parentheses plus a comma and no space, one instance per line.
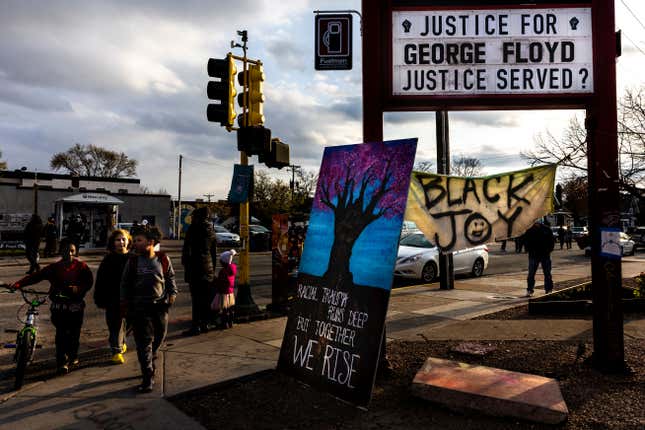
(466,387)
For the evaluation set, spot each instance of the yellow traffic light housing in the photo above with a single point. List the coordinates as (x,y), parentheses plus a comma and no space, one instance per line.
(252,98)
(222,90)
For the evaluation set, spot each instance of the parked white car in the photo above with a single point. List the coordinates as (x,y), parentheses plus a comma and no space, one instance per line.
(419,259)
(409,227)
(627,245)
(225,237)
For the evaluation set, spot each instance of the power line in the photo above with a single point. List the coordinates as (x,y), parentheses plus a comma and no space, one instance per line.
(634,43)
(205,162)
(633,14)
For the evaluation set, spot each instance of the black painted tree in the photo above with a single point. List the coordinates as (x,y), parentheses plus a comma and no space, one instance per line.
(359,187)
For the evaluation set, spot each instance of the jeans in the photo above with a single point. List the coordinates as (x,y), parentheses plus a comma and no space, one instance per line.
(116,327)
(33,257)
(150,325)
(201,297)
(534,262)
(68,332)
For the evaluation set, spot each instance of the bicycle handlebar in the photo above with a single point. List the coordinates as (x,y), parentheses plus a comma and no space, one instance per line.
(24,292)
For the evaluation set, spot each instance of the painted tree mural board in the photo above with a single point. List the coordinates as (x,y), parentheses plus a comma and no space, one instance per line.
(456,213)
(335,324)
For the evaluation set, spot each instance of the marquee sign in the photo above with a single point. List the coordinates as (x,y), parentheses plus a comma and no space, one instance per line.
(501,51)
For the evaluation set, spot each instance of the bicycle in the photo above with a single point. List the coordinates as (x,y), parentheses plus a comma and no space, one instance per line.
(26,337)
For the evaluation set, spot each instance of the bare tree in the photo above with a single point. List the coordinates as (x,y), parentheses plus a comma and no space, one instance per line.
(92,160)
(3,164)
(466,166)
(570,150)
(424,166)
(305,185)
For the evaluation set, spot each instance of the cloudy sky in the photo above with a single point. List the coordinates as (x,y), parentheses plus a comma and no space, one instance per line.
(131,77)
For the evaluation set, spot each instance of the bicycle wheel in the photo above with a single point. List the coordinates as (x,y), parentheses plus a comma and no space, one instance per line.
(24,351)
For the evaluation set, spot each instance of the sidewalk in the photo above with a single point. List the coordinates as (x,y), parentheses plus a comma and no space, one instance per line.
(103,396)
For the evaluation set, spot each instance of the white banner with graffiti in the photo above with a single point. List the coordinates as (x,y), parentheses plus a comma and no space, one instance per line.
(457,213)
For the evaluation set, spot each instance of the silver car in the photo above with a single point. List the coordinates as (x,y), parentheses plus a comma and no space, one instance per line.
(419,259)
(225,237)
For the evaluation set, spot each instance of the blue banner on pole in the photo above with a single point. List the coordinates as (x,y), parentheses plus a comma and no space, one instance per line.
(242,184)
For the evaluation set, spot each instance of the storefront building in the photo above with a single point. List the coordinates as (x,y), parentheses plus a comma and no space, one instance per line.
(90,205)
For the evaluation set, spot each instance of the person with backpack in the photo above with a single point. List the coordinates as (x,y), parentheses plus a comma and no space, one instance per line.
(70,280)
(148,290)
(107,290)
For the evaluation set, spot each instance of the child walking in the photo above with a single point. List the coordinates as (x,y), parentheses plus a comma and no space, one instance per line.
(148,290)
(70,280)
(107,290)
(224,301)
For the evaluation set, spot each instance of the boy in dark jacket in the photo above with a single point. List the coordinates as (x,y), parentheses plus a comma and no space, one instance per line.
(148,290)
(199,256)
(70,280)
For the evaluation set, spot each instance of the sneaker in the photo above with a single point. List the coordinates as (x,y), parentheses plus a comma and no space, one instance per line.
(124,348)
(146,386)
(529,294)
(63,370)
(74,362)
(118,358)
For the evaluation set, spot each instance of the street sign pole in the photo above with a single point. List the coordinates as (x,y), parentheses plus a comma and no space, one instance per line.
(446,264)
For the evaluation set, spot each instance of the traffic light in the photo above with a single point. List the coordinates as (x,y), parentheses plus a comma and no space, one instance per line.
(222,90)
(252,98)
(277,156)
(254,140)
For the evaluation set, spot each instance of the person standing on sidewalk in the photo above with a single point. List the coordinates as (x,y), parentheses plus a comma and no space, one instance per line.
(569,236)
(561,236)
(224,301)
(539,243)
(107,290)
(51,235)
(70,280)
(199,257)
(32,235)
(148,290)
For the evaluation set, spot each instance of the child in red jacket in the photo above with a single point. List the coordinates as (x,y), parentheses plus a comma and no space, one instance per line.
(70,280)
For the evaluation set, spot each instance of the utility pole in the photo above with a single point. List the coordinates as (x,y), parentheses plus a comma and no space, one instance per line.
(35,188)
(446,266)
(293,179)
(179,200)
(208,196)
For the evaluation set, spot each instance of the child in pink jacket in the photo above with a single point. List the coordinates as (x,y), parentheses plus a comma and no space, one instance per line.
(224,301)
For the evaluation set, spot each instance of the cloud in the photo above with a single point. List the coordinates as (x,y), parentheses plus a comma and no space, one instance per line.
(286,52)
(33,98)
(486,119)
